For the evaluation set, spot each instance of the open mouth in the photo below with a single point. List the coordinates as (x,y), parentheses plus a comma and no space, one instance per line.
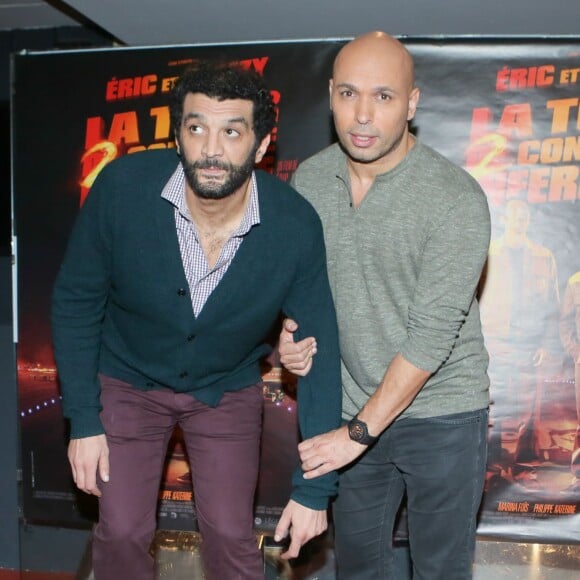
(362,140)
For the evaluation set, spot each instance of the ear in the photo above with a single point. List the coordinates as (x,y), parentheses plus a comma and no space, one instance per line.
(262,148)
(413,102)
(177,147)
(330,86)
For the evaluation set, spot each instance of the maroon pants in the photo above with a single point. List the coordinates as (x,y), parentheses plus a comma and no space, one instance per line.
(223,448)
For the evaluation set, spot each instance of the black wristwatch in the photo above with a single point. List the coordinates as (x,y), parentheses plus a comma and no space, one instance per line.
(359,432)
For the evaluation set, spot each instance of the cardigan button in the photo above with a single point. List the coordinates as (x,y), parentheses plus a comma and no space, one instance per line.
(190,337)
(182,375)
(181,292)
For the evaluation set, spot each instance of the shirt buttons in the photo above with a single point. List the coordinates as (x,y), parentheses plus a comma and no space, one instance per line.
(181,292)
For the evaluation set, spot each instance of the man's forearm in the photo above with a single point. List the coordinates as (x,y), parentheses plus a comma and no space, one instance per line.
(400,385)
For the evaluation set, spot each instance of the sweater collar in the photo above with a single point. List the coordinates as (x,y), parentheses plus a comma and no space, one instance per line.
(344,175)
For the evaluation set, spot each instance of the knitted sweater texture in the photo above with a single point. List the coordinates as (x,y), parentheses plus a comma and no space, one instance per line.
(404,268)
(121,304)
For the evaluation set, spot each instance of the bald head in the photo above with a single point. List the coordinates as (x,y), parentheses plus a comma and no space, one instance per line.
(373,97)
(377,51)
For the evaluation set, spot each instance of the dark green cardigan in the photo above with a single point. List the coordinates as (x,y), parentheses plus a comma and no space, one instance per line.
(121,303)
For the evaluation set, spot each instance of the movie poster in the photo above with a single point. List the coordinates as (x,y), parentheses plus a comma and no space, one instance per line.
(509,113)
(506,110)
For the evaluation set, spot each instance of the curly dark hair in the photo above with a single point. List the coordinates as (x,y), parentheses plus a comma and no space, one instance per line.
(225,81)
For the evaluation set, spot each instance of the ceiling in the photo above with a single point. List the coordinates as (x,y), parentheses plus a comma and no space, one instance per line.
(15,14)
(161,22)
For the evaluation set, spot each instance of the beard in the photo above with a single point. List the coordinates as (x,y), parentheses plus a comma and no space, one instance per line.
(236,175)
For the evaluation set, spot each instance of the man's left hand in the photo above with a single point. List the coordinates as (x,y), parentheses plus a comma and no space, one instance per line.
(328,452)
(302,523)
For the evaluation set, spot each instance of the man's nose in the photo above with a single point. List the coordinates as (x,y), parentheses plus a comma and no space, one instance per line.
(364,111)
(212,145)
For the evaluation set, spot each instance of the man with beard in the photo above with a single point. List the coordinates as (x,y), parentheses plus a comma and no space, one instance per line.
(407,234)
(174,277)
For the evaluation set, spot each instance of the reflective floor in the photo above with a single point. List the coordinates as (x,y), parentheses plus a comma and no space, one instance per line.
(178,558)
(498,560)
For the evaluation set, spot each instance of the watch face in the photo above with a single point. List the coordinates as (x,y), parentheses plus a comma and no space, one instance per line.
(357,431)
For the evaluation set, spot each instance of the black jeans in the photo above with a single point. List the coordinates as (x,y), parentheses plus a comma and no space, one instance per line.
(440,463)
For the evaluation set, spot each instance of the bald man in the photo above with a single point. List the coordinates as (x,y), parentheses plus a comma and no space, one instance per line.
(407,233)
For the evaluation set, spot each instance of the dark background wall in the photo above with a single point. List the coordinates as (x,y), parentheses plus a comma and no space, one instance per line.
(45,548)
(23,545)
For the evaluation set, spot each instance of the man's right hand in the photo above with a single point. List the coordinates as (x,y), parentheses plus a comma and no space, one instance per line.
(86,456)
(295,356)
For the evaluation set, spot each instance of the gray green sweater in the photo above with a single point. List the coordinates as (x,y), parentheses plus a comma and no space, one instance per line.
(404,268)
